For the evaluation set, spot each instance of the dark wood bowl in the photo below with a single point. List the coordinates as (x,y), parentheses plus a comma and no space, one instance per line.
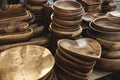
(37,2)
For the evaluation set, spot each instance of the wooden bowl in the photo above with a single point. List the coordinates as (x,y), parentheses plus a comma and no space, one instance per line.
(67,6)
(11,27)
(86,48)
(89,16)
(65,34)
(78,16)
(114,36)
(66,22)
(16,37)
(12,7)
(111,54)
(108,24)
(64,29)
(42,41)
(108,64)
(36,2)
(41,59)
(109,45)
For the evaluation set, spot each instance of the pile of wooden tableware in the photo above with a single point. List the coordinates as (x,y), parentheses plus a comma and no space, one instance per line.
(15,12)
(91,5)
(66,19)
(75,59)
(36,7)
(108,5)
(106,30)
(20,33)
(28,62)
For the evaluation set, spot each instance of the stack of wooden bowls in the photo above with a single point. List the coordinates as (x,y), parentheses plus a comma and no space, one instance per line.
(36,7)
(15,12)
(108,5)
(28,62)
(107,31)
(91,5)
(66,19)
(14,34)
(75,59)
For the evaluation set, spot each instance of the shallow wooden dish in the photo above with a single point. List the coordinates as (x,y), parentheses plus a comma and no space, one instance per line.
(111,54)
(67,6)
(108,64)
(89,16)
(65,34)
(12,7)
(87,48)
(16,37)
(109,24)
(41,59)
(11,27)
(64,29)
(42,41)
(110,45)
(78,16)
(75,59)
(114,36)
(36,2)
(66,22)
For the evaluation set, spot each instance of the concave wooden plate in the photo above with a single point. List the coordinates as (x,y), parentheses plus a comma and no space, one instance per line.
(111,54)
(105,64)
(67,6)
(11,27)
(16,37)
(12,13)
(32,61)
(65,34)
(24,18)
(89,16)
(86,47)
(92,2)
(64,29)
(109,24)
(75,66)
(68,74)
(78,16)
(12,7)
(36,2)
(66,22)
(114,36)
(75,59)
(42,41)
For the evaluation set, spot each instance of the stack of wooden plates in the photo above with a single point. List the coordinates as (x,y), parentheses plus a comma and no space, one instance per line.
(75,59)
(28,62)
(108,5)
(14,34)
(107,31)
(66,19)
(36,7)
(91,5)
(15,12)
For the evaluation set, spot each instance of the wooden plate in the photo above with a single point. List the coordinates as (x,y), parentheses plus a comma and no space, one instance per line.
(11,27)
(23,56)
(86,47)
